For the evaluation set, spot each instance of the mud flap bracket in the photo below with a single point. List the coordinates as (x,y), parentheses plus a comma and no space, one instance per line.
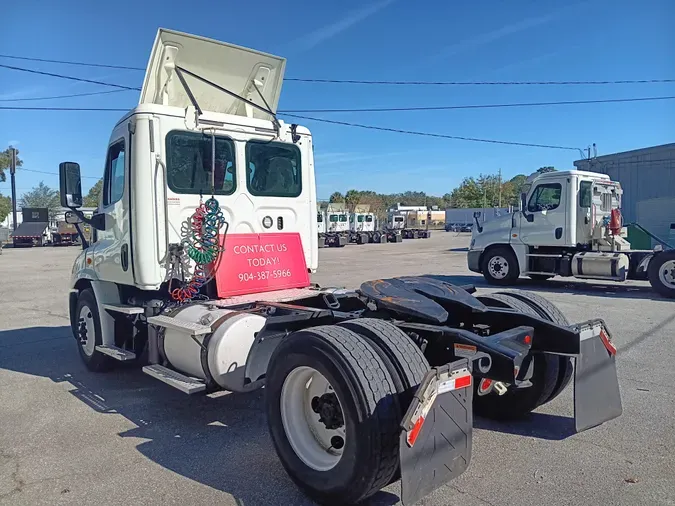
(597,398)
(435,443)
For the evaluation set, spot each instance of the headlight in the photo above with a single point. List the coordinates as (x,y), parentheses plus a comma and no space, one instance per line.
(267,221)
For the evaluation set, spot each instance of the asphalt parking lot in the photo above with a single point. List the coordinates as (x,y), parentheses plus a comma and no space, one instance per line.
(68,436)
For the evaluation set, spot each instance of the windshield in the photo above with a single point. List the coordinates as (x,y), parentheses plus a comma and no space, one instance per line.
(333,218)
(398,219)
(369,219)
(319,217)
(359,218)
(343,217)
(273,169)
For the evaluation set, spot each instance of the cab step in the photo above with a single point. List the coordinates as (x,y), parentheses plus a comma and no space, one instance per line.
(175,379)
(124,309)
(116,353)
(190,328)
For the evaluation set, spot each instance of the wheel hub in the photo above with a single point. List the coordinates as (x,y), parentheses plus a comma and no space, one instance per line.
(667,273)
(328,409)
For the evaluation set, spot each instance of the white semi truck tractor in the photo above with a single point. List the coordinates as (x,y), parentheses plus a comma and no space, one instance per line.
(199,273)
(569,224)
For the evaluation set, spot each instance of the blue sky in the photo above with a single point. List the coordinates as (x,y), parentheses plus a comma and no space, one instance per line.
(369,39)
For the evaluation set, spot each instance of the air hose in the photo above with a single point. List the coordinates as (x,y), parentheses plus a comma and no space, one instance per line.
(200,239)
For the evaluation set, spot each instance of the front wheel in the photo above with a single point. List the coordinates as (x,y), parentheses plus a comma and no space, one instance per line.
(88,332)
(333,414)
(662,273)
(500,266)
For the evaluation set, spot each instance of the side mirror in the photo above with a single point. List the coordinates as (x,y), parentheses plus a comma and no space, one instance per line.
(70,185)
(72,219)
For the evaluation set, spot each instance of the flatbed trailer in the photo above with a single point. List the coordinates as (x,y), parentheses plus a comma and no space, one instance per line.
(361,386)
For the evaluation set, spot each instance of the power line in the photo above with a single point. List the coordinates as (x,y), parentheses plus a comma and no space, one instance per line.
(480,106)
(51,173)
(383,82)
(106,92)
(481,83)
(63,62)
(97,109)
(367,109)
(430,134)
(61,76)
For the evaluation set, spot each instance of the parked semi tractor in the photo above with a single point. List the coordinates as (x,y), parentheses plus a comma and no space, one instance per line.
(199,274)
(569,225)
(333,226)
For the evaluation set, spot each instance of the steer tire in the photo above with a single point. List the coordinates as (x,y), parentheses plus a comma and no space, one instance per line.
(546,309)
(95,360)
(656,265)
(368,402)
(509,257)
(518,402)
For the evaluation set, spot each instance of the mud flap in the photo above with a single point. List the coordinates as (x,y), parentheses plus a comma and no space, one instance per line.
(435,444)
(597,398)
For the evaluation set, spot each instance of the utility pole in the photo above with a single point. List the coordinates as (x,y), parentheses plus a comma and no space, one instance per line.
(12,173)
(500,188)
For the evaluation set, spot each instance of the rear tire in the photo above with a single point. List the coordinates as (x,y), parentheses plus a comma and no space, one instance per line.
(546,309)
(500,266)
(368,405)
(661,274)
(518,402)
(405,362)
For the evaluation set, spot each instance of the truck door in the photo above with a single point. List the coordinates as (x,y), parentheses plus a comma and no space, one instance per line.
(112,252)
(546,215)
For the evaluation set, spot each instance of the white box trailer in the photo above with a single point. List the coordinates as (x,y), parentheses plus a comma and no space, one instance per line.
(199,273)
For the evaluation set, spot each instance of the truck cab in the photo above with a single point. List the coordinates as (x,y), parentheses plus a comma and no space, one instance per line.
(569,224)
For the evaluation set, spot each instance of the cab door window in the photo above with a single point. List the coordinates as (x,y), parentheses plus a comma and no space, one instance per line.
(545,197)
(113,184)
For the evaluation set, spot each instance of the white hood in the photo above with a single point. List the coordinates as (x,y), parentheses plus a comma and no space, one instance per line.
(229,66)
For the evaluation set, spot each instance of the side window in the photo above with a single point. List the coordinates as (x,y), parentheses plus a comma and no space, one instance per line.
(188,164)
(359,218)
(273,169)
(113,186)
(585,194)
(333,218)
(369,219)
(319,217)
(545,197)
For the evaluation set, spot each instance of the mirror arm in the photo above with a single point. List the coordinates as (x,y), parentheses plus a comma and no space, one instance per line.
(89,221)
(85,243)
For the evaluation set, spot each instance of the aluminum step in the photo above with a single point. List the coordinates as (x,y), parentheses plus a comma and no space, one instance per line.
(190,328)
(124,308)
(175,379)
(116,353)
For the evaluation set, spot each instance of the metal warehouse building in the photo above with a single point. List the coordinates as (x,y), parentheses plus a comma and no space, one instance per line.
(647,177)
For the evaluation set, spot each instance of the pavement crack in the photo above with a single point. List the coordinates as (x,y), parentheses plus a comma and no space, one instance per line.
(472,495)
(18,482)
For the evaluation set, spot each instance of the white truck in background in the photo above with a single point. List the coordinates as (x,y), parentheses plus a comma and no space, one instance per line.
(569,225)
(198,273)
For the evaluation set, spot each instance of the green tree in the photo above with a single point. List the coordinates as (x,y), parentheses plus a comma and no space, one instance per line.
(92,198)
(548,168)
(5,158)
(5,207)
(336,197)
(41,196)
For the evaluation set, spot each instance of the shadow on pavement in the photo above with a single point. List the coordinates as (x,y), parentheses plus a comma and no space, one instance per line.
(536,425)
(219,440)
(596,289)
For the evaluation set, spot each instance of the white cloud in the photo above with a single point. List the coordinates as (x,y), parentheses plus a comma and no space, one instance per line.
(324,33)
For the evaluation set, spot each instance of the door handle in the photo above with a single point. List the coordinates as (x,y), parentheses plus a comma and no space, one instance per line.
(124,257)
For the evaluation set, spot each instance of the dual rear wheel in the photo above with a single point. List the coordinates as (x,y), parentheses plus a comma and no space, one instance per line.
(335,397)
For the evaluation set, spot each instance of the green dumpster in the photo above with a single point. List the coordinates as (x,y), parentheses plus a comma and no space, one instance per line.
(638,239)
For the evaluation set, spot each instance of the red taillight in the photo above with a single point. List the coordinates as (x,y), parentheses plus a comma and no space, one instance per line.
(527,339)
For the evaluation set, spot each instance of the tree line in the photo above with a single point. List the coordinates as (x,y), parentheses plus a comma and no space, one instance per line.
(41,195)
(485,190)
